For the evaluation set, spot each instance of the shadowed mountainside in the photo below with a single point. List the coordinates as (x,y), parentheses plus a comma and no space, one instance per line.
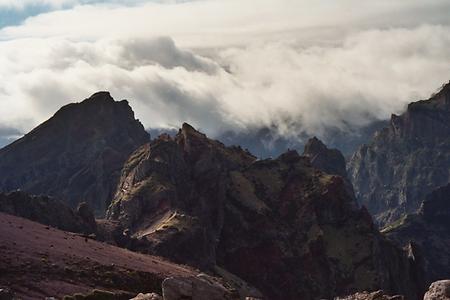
(405,161)
(298,230)
(76,155)
(430,229)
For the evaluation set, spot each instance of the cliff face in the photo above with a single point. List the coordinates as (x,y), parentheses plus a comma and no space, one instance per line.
(430,230)
(406,161)
(77,154)
(285,227)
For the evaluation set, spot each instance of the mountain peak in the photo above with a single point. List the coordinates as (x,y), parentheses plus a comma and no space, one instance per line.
(330,161)
(74,155)
(188,130)
(100,96)
(314,145)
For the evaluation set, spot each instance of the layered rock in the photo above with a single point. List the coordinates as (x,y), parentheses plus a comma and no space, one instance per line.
(282,225)
(406,161)
(430,230)
(76,155)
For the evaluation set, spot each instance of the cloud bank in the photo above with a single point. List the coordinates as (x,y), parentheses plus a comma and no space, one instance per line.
(227,71)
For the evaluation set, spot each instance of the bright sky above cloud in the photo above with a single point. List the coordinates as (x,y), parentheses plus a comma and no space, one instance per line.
(302,66)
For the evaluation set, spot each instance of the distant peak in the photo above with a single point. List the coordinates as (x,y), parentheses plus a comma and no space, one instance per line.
(100,96)
(187,127)
(314,146)
(188,130)
(290,156)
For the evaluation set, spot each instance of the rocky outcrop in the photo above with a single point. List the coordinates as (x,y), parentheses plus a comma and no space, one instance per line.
(48,211)
(76,155)
(429,229)
(378,295)
(202,287)
(281,225)
(97,294)
(148,296)
(406,161)
(439,290)
(330,161)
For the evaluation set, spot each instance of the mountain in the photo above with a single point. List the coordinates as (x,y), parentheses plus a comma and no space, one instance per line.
(283,226)
(405,161)
(76,155)
(429,229)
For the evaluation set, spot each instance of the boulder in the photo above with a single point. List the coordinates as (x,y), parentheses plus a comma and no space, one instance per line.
(149,296)
(378,295)
(201,287)
(439,290)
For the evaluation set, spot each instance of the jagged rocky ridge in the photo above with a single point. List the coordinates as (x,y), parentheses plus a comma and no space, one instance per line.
(430,230)
(75,156)
(282,225)
(405,161)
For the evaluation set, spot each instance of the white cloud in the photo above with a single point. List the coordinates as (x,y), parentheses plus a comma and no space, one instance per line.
(218,23)
(299,89)
(58,4)
(20,4)
(300,67)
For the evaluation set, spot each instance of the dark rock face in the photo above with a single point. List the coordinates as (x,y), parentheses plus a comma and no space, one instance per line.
(285,227)
(406,161)
(172,186)
(76,155)
(430,230)
(330,161)
(48,211)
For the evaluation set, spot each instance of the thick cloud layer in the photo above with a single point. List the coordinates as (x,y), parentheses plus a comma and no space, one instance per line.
(297,82)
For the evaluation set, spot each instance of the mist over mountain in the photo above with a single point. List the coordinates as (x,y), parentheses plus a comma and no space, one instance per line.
(268,143)
(266,150)
(405,161)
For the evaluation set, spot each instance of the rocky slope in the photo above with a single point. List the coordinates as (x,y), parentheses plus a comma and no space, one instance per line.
(405,161)
(37,261)
(48,211)
(430,230)
(285,227)
(77,154)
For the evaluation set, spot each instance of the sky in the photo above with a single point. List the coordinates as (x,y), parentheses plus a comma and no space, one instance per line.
(302,67)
